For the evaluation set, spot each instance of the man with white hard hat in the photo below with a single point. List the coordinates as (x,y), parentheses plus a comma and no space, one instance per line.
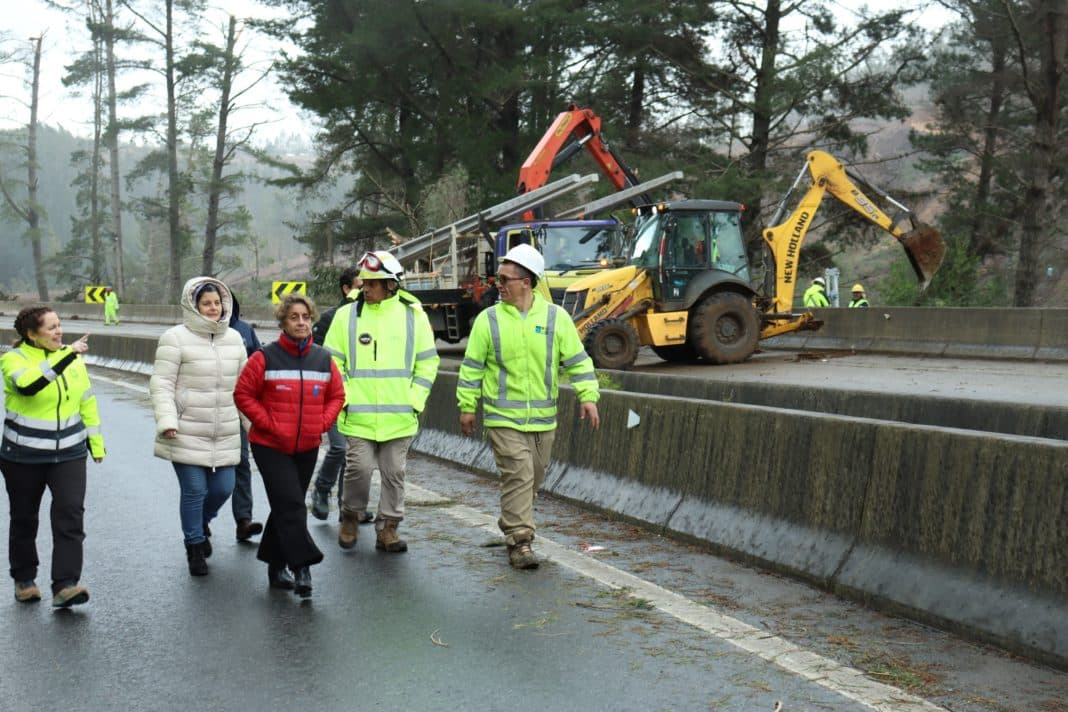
(815,295)
(536,338)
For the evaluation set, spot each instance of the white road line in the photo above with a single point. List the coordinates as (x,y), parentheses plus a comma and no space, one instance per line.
(841,679)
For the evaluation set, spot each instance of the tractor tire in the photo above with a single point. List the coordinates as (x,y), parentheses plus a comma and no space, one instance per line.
(724,328)
(676,353)
(612,344)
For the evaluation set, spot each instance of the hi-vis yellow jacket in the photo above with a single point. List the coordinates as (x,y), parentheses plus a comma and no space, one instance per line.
(51,409)
(512,362)
(387,359)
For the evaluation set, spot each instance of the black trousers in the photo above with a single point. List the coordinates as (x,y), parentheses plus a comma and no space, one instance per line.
(285,539)
(25,487)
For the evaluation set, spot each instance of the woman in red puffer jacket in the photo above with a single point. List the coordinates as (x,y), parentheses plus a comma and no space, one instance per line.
(292,392)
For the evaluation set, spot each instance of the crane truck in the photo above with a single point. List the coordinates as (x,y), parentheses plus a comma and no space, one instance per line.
(686,290)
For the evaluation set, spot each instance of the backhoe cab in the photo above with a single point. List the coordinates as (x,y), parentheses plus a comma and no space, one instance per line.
(686,289)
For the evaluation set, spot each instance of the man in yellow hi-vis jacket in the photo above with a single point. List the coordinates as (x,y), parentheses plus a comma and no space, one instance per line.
(514,355)
(384,347)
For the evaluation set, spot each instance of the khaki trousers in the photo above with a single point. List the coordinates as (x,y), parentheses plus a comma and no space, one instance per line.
(361,459)
(521,459)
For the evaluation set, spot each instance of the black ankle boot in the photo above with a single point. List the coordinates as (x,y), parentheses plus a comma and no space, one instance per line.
(207,542)
(194,553)
(302,583)
(279,578)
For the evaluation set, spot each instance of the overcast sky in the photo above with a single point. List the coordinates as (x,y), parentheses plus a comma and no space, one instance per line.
(64,36)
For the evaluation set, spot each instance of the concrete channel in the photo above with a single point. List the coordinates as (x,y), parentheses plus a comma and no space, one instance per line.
(951,512)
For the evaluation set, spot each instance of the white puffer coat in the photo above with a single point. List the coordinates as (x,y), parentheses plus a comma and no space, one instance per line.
(192,385)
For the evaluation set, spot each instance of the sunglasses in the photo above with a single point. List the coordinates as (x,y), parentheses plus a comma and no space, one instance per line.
(505,279)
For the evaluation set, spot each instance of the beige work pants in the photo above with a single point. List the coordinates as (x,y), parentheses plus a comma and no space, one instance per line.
(521,459)
(361,459)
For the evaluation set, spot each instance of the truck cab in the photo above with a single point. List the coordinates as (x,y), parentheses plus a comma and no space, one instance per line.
(573,249)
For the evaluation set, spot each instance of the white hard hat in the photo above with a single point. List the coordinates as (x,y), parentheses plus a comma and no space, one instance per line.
(380,265)
(819,280)
(526,256)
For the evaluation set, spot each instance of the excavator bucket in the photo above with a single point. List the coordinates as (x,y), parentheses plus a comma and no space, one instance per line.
(926,250)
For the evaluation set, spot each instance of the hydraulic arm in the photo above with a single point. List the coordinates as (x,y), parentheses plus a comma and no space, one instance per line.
(922,243)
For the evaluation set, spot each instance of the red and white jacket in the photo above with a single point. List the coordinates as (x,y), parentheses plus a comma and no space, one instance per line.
(292,393)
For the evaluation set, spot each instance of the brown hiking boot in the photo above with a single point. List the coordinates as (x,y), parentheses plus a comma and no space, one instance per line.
(70,596)
(387,539)
(521,556)
(346,535)
(27,592)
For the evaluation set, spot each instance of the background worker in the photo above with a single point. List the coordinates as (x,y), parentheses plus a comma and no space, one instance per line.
(334,461)
(111,307)
(384,346)
(291,391)
(815,295)
(859,300)
(241,501)
(51,425)
(519,397)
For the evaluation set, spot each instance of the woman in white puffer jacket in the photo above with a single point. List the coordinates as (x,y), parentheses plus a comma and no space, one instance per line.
(197,424)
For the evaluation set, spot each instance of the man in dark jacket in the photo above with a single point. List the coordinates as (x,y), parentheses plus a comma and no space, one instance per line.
(241,501)
(334,462)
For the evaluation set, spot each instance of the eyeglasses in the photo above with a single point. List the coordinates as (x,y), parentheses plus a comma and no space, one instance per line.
(370,262)
(505,279)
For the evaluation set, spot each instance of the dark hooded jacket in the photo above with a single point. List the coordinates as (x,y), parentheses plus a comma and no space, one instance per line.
(248,334)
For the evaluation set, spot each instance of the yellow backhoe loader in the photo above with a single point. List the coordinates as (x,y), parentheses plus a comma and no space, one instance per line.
(686,290)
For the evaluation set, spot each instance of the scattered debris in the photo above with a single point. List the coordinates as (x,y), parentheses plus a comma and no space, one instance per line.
(590,548)
(436,640)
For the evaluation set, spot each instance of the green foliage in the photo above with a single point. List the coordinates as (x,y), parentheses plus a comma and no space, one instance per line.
(956,284)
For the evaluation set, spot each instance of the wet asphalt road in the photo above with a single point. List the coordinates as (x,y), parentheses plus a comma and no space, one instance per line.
(449,625)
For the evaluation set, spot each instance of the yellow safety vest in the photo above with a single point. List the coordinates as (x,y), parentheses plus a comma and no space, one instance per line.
(387,359)
(51,409)
(512,363)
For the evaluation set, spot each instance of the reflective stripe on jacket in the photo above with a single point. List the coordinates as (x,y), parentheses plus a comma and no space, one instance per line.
(388,362)
(292,395)
(512,363)
(51,410)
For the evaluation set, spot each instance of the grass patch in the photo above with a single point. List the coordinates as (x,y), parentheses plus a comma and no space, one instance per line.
(901,672)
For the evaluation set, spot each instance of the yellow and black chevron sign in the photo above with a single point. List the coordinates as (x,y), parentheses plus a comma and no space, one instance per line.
(280,289)
(94,295)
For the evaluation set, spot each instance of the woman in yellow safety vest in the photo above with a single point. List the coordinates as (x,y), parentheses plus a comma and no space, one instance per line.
(50,426)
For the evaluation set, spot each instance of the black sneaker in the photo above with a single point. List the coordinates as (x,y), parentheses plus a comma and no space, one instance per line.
(320,504)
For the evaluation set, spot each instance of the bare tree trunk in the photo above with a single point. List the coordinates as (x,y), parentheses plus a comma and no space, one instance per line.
(32,207)
(761,121)
(635,106)
(980,243)
(111,138)
(1045,92)
(219,162)
(174,226)
(97,260)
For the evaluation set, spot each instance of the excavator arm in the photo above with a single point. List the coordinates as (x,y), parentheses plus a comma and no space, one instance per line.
(922,243)
(570,132)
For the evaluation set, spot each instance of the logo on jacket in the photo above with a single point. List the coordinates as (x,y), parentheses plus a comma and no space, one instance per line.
(365,339)
(539,330)
(282,387)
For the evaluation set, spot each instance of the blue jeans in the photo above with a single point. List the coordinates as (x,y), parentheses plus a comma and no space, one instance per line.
(241,503)
(203,492)
(333,463)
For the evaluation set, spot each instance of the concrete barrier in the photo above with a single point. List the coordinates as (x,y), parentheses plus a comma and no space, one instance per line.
(1031,334)
(1041,421)
(963,530)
